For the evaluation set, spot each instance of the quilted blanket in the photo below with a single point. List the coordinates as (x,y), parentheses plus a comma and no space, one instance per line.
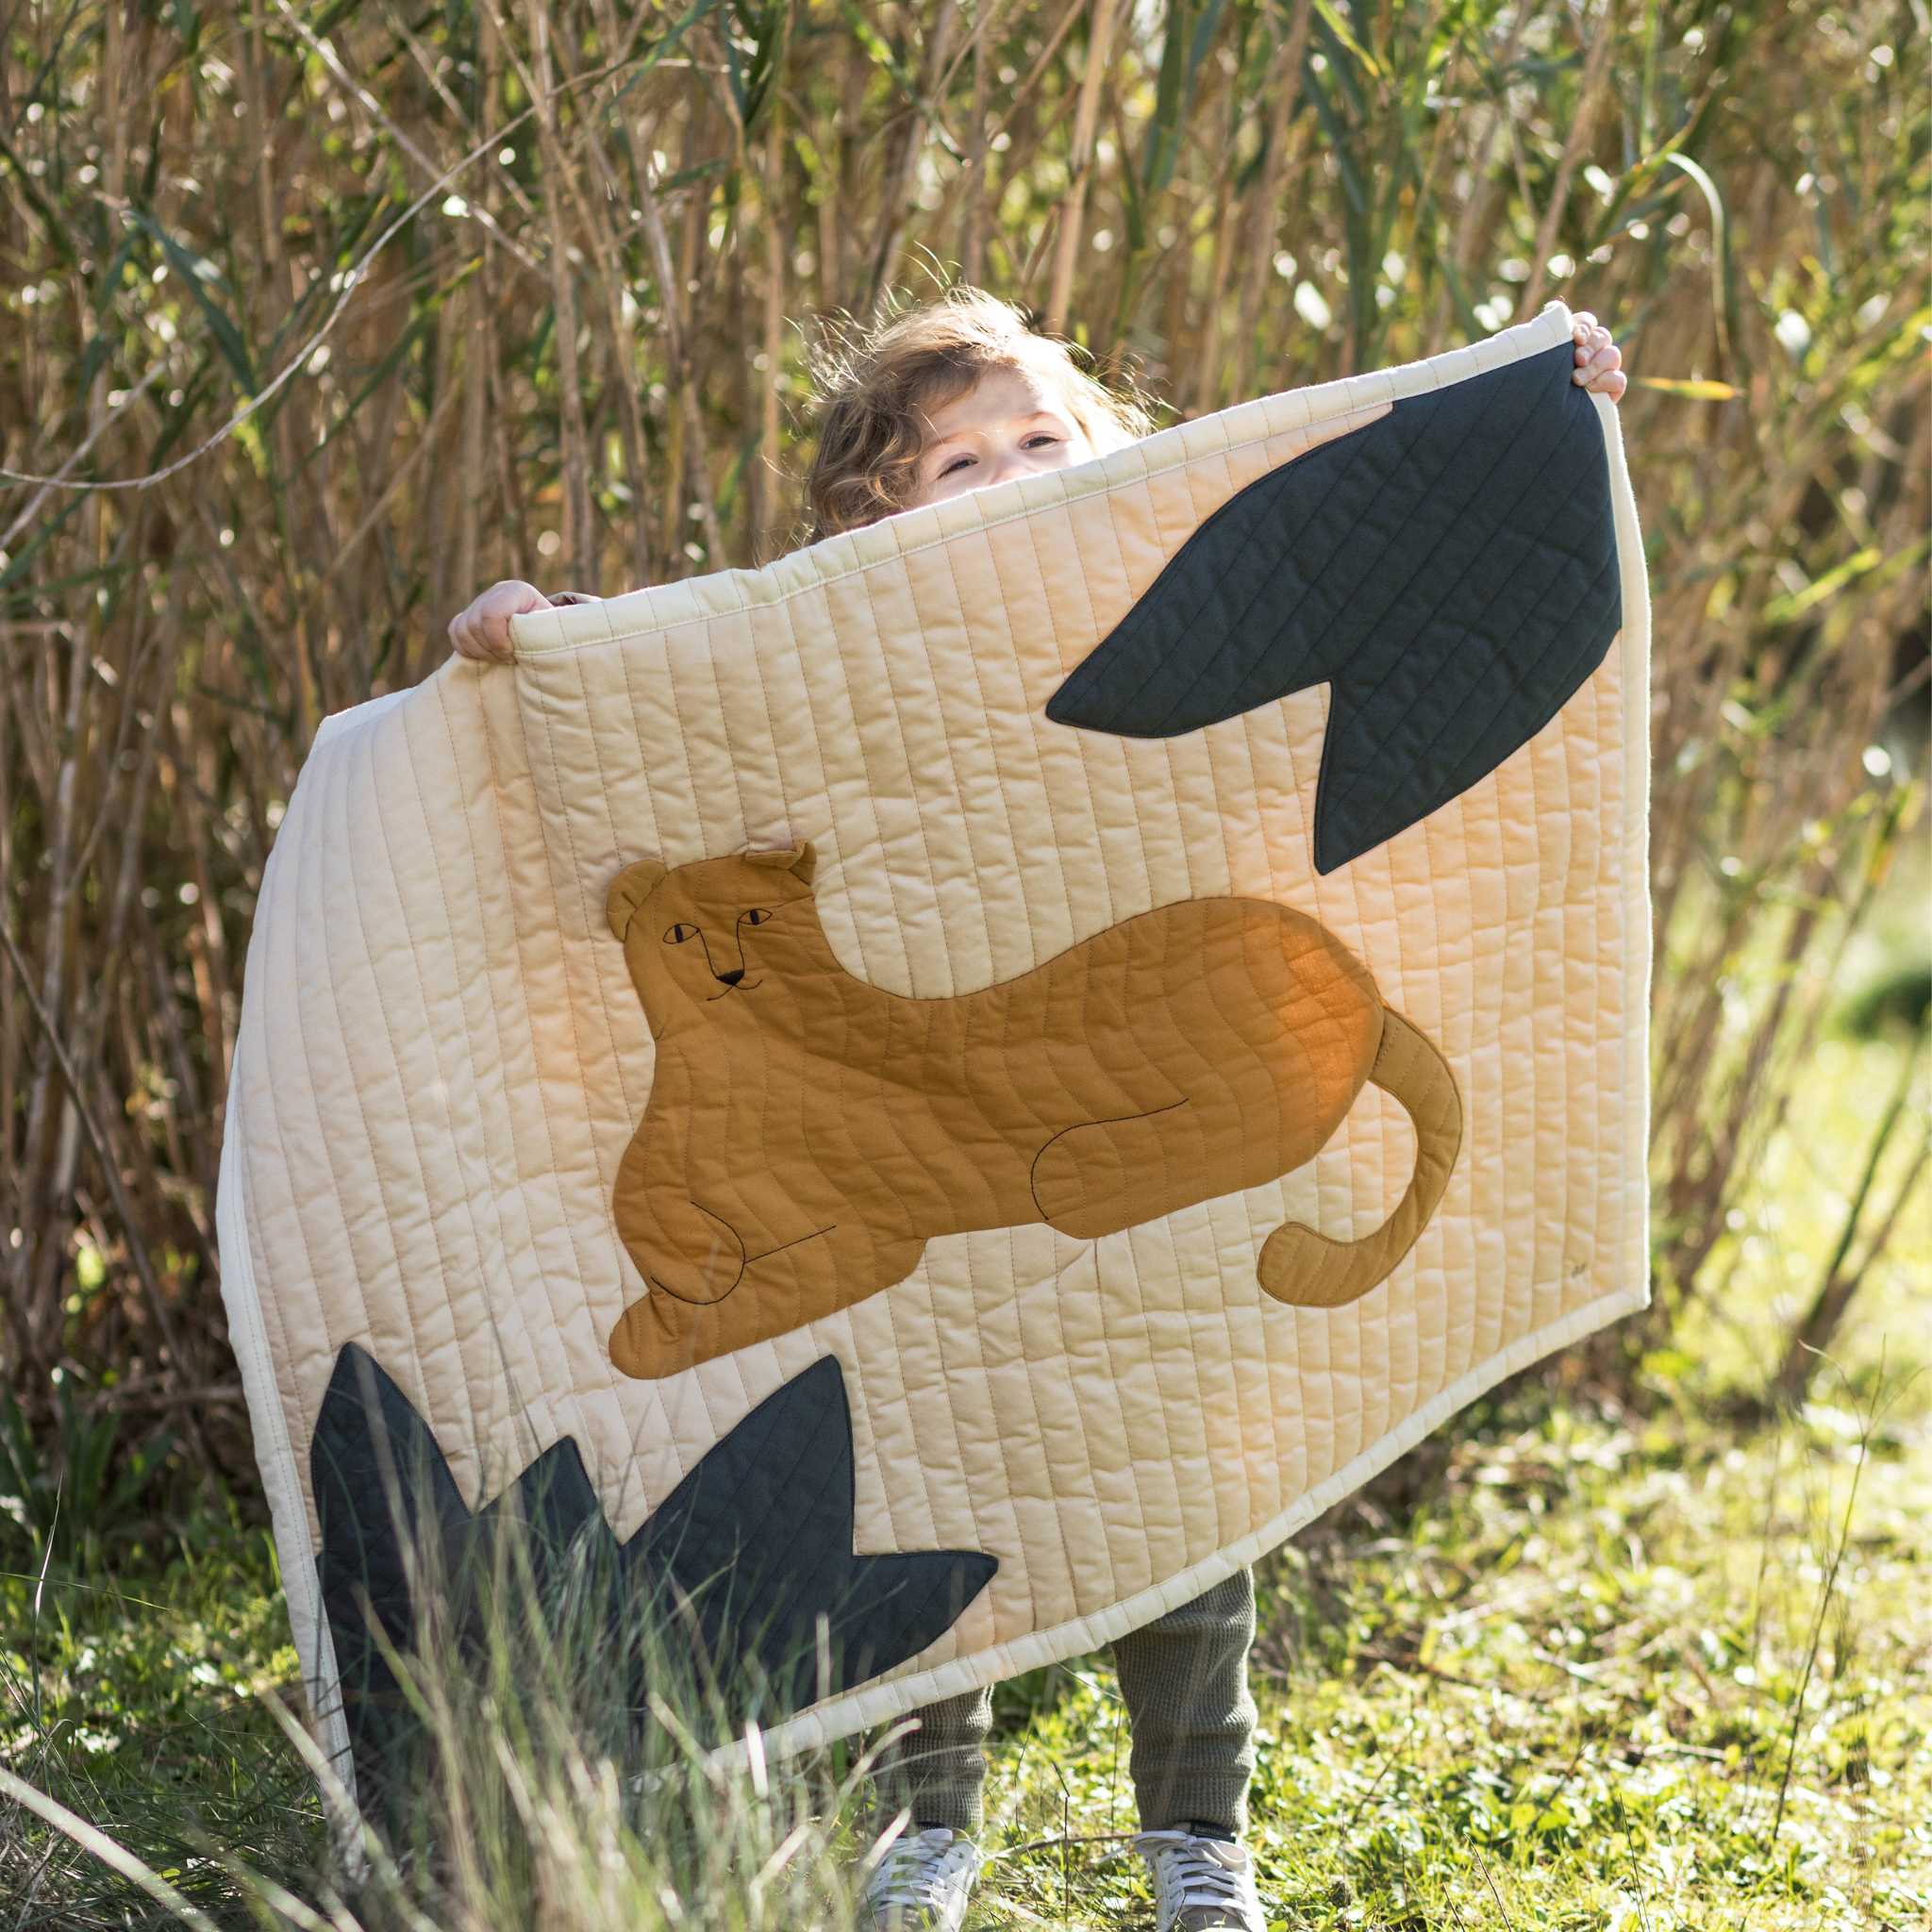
(974,1079)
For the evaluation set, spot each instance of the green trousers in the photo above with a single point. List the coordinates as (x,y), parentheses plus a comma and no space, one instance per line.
(1183,1679)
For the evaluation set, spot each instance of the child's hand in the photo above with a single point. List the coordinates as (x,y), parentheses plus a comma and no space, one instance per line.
(482,631)
(1599,363)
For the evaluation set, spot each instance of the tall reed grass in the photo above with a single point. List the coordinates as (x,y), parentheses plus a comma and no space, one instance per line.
(318,317)
(548,1757)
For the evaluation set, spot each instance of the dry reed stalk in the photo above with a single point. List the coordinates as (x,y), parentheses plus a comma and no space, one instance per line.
(1079,164)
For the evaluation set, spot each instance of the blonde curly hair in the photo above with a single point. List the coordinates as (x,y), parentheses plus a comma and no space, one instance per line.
(877,386)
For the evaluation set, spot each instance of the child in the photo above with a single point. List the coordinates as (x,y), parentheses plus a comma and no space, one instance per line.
(948,398)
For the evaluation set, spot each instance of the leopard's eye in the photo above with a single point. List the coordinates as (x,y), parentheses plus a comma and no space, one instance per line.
(676,934)
(758,915)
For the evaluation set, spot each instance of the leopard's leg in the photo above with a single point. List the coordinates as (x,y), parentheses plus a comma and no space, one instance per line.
(782,1288)
(681,1248)
(1101,1176)
(678,1243)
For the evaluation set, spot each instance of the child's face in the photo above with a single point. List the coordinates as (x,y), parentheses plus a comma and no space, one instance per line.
(1009,423)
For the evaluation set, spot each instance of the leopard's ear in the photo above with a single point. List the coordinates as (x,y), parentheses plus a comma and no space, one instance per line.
(629,890)
(800,859)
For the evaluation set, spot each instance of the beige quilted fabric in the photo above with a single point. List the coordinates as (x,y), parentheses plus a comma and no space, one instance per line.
(442,1057)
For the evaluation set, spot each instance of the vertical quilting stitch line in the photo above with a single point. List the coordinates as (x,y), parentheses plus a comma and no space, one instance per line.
(1037,718)
(927,1271)
(556,1391)
(324,1141)
(808,677)
(945,728)
(733,762)
(839,661)
(785,800)
(1632,858)
(454,992)
(522,976)
(1021,721)
(985,719)
(354,896)
(1592,870)
(1547,1060)
(681,736)
(284,1366)
(1618,976)
(316,844)
(1096,1250)
(1440,1017)
(591,903)
(308,1618)
(890,1295)
(1485,1337)
(298,855)
(1582,1136)
(1510,1321)
(1067,1566)
(588,912)
(1183,1282)
(1163,1231)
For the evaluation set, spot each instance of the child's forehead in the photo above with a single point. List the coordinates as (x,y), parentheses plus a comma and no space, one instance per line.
(1008,389)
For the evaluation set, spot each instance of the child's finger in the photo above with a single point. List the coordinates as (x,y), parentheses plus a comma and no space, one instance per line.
(1599,364)
(469,639)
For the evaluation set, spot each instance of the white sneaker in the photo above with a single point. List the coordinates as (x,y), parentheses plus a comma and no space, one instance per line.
(923,1883)
(1201,1883)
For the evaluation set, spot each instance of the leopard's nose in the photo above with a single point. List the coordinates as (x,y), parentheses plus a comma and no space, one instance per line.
(732,978)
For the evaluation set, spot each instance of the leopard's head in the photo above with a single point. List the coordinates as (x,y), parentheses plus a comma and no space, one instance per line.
(691,933)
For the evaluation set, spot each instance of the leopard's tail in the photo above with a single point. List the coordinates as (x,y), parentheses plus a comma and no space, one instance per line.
(1309,1270)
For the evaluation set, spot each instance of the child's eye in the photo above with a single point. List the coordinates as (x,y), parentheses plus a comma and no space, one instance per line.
(1040,436)
(758,915)
(676,934)
(946,469)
